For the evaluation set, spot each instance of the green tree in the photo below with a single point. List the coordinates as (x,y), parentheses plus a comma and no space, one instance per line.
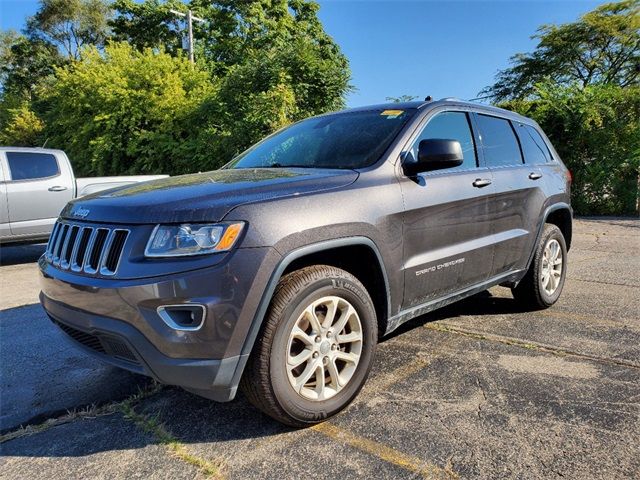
(125,111)
(148,24)
(287,32)
(603,46)
(71,24)
(596,130)
(401,98)
(24,63)
(272,59)
(20,126)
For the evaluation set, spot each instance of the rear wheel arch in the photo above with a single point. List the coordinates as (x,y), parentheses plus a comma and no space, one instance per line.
(562,218)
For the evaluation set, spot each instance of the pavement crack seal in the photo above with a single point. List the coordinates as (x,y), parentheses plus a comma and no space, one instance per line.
(528,345)
(153,427)
(388,454)
(82,413)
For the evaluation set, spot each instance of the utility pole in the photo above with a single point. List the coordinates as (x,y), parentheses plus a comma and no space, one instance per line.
(190,20)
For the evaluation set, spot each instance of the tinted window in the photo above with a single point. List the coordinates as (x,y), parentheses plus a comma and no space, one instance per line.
(450,126)
(534,148)
(500,144)
(343,140)
(29,166)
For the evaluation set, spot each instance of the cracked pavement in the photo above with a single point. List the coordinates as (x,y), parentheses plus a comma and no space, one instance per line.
(479,389)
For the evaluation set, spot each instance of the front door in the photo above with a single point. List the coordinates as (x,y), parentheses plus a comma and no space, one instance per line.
(447,233)
(37,191)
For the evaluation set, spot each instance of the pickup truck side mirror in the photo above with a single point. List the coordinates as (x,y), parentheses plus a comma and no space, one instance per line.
(434,154)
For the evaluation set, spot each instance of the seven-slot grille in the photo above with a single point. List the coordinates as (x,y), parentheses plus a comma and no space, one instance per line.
(87,249)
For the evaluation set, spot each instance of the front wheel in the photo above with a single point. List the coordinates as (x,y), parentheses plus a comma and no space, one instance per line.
(316,347)
(542,285)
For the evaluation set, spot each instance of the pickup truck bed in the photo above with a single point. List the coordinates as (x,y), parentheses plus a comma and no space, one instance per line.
(36,184)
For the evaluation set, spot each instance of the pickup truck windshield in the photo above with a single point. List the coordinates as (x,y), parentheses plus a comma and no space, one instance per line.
(344,140)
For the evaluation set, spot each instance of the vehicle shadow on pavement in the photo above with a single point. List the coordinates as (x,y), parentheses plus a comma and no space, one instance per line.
(196,421)
(43,375)
(19,254)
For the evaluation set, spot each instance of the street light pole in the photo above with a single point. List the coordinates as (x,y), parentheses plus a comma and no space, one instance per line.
(190,19)
(190,35)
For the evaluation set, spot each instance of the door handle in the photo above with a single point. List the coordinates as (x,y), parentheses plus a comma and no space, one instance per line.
(535,175)
(481,182)
(57,188)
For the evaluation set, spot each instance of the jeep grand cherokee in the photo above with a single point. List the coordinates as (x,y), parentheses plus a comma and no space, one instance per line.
(279,272)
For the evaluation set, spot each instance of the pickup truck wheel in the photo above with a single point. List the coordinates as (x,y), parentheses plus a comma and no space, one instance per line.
(316,347)
(542,285)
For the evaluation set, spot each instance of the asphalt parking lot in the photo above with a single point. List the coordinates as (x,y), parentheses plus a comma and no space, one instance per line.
(480,389)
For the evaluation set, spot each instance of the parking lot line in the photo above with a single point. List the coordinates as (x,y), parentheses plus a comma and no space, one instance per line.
(386,453)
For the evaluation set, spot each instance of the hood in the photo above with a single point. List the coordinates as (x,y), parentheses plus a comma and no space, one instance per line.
(202,197)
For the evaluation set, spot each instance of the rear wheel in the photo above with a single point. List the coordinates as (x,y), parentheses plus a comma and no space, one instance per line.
(316,347)
(543,283)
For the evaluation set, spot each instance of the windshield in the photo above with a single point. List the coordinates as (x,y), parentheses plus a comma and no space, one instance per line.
(342,140)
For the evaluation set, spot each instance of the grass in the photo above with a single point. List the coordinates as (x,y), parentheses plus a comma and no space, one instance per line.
(148,424)
(91,411)
(154,427)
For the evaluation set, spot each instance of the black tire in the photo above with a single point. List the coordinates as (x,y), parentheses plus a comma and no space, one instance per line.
(530,292)
(265,382)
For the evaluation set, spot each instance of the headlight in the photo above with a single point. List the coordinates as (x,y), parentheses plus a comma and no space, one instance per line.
(192,239)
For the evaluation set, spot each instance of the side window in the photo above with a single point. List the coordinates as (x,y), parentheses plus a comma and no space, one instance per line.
(500,145)
(31,166)
(535,149)
(450,126)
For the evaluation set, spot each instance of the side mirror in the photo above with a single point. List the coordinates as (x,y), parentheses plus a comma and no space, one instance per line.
(435,154)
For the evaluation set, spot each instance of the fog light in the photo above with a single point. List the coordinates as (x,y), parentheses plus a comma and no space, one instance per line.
(186,317)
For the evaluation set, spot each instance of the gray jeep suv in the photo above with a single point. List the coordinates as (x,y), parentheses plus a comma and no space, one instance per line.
(279,272)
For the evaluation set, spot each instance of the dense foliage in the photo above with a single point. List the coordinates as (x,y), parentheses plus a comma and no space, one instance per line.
(596,130)
(109,83)
(123,111)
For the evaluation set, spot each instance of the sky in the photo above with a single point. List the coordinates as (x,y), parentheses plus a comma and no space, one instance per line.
(421,47)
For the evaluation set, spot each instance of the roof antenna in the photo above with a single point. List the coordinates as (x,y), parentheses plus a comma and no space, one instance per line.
(45,143)
(428,98)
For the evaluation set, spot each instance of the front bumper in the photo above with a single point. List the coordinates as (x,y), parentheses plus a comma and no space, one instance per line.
(117,320)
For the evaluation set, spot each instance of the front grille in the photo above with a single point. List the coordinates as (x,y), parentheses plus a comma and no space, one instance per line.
(87,249)
(104,344)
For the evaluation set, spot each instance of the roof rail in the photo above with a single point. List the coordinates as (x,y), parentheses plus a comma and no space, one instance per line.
(445,99)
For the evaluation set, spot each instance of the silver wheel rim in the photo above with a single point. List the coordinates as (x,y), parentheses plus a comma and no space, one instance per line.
(551,271)
(324,348)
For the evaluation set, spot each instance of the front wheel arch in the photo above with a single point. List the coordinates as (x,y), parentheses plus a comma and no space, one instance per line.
(279,271)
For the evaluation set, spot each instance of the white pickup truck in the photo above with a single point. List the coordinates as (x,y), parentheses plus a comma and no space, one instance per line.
(36,184)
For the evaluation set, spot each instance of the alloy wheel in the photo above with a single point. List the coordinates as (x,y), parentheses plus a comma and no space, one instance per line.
(324,348)
(551,271)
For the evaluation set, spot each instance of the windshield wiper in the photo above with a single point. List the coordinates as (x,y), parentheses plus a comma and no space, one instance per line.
(278,165)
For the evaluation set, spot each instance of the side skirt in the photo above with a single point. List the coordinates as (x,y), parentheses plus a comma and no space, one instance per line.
(413,312)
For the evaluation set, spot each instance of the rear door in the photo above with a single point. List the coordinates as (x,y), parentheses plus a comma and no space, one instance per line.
(39,185)
(446,236)
(518,198)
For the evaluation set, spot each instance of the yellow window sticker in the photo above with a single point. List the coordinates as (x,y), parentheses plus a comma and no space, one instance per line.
(392,113)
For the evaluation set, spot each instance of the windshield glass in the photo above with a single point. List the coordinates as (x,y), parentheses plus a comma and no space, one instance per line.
(342,140)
